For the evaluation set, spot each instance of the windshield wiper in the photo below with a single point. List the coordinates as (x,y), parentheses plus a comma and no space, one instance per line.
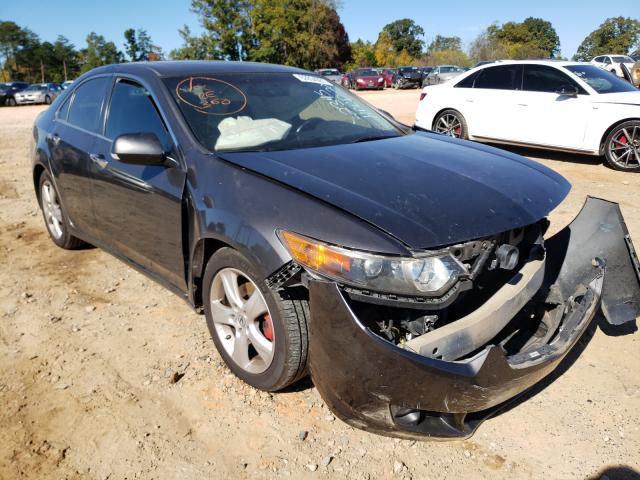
(372,138)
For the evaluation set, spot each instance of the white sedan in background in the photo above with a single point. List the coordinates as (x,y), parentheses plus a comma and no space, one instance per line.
(611,63)
(565,106)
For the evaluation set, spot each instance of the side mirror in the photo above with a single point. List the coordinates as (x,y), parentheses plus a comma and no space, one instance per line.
(568,91)
(138,149)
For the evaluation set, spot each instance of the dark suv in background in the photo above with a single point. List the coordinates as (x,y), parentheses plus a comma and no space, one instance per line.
(7,91)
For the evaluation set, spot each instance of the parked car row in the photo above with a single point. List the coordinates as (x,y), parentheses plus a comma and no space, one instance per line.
(21,93)
(397,78)
(568,106)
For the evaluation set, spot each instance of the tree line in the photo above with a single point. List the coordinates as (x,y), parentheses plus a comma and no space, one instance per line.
(303,33)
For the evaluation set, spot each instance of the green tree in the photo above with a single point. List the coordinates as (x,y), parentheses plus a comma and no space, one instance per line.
(139,47)
(615,35)
(228,26)
(486,47)
(194,47)
(99,52)
(18,51)
(362,55)
(303,33)
(405,35)
(66,57)
(445,43)
(532,38)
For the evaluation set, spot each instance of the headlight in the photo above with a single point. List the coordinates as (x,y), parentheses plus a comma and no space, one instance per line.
(360,80)
(421,275)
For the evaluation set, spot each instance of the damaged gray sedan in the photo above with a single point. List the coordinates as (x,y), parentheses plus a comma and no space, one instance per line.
(406,271)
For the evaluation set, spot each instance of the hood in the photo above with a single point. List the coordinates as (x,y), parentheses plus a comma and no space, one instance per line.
(424,189)
(629,98)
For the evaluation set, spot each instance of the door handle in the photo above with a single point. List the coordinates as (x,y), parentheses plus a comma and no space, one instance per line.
(98,159)
(55,138)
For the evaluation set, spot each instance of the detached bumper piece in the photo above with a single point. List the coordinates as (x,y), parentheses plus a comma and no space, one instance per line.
(444,383)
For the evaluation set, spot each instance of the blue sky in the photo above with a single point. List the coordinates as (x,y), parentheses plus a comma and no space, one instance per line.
(572,19)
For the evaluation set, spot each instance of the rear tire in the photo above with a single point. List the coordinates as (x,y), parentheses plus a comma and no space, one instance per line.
(452,123)
(622,147)
(47,100)
(281,320)
(54,215)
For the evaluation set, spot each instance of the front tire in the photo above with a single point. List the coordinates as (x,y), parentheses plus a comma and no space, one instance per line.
(54,216)
(452,123)
(47,100)
(260,334)
(622,147)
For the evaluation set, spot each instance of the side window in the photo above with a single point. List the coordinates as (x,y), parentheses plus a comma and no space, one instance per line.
(598,59)
(64,109)
(132,111)
(607,60)
(541,78)
(467,82)
(503,77)
(87,104)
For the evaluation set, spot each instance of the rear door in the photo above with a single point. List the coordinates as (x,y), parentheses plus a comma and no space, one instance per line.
(71,141)
(490,99)
(546,118)
(139,207)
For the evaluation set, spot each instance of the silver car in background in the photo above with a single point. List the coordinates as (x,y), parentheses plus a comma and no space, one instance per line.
(38,93)
(441,74)
(331,74)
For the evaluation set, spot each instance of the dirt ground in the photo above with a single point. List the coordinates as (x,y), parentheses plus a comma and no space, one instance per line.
(90,349)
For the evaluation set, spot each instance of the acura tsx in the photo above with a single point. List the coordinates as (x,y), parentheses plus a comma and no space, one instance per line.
(406,271)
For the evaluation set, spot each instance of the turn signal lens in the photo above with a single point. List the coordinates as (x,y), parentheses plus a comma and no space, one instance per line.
(422,96)
(316,256)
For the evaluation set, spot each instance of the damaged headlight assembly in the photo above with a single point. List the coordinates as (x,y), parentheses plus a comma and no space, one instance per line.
(425,275)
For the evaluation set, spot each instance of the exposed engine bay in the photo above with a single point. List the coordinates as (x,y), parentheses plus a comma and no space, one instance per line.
(498,266)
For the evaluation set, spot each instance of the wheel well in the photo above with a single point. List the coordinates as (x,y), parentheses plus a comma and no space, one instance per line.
(203,251)
(610,129)
(433,124)
(37,173)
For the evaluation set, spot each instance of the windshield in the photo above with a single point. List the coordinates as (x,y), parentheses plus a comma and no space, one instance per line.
(621,59)
(325,73)
(33,88)
(408,69)
(601,80)
(367,72)
(282,111)
(450,69)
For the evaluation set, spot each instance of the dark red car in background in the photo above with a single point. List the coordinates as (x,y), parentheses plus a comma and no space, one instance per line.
(387,75)
(362,79)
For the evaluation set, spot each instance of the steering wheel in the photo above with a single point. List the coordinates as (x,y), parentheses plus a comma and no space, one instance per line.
(308,124)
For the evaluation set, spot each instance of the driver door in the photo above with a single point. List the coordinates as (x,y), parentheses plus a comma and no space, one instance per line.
(138,208)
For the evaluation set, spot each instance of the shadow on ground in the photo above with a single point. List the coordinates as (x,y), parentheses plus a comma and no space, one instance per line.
(618,472)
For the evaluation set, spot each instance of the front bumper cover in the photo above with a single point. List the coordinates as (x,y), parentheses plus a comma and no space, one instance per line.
(372,384)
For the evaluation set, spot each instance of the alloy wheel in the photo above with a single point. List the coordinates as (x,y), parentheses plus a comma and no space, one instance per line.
(450,125)
(242,320)
(624,147)
(52,210)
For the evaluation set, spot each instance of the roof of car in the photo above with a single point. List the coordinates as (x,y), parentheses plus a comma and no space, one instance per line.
(182,67)
(557,63)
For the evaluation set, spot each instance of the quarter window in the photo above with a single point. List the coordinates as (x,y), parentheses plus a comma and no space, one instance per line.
(87,104)
(132,111)
(541,78)
(503,77)
(64,110)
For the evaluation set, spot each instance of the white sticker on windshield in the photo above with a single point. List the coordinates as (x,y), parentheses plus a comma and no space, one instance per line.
(311,79)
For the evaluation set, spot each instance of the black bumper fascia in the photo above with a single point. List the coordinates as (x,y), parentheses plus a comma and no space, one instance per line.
(372,384)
